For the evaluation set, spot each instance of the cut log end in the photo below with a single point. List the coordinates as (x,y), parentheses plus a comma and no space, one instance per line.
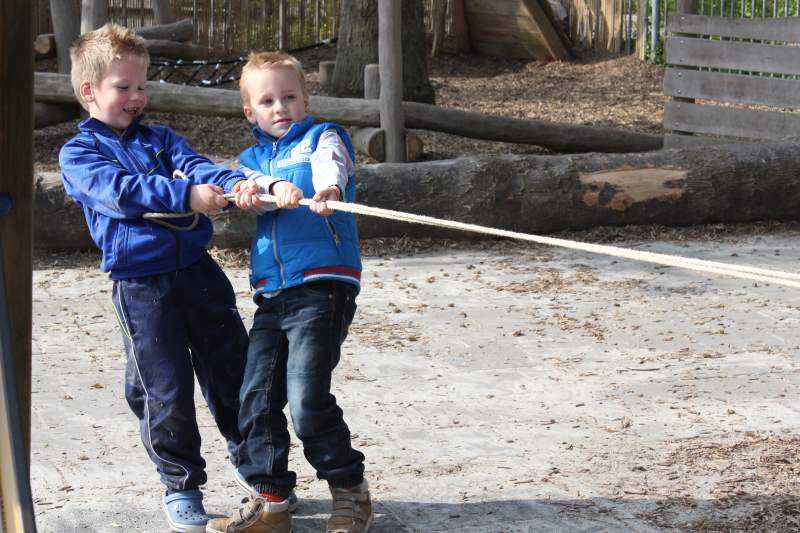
(372,142)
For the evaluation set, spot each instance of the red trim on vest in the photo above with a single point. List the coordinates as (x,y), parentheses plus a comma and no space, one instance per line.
(334,270)
(261,283)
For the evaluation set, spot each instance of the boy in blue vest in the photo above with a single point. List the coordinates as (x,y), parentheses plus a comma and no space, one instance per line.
(175,306)
(305,271)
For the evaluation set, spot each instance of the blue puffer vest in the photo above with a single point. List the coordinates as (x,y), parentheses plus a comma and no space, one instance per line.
(294,246)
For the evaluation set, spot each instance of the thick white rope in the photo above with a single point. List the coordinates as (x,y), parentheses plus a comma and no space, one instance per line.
(788,279)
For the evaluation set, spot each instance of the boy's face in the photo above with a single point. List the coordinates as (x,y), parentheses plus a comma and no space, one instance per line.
(276,100)
(119,97)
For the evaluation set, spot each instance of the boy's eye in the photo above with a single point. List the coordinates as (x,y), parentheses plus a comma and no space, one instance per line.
(122,87)
(291,97)
(268,101)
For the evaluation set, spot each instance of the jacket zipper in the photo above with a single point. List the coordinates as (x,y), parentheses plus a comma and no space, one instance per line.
(138,165)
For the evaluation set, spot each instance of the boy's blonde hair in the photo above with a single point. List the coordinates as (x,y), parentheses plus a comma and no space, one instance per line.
(257,61)
(93,52)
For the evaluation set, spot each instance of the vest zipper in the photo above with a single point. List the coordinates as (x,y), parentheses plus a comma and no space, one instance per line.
(275,219)
(334,233)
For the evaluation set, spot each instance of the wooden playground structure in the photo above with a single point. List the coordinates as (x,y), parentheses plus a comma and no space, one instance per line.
(525,29)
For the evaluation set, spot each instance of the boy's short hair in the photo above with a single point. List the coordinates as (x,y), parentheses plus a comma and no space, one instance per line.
(93,52)
(267,61)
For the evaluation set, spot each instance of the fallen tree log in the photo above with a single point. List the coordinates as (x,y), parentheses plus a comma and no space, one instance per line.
(44,45)
(556,136)
(372,142)
(175,50)
(529,194)
(180,31)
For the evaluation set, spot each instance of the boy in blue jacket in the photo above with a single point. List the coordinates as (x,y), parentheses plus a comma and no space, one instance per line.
(175,306)
(305,271)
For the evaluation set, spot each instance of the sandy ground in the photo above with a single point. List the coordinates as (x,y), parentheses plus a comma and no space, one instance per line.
(494,387)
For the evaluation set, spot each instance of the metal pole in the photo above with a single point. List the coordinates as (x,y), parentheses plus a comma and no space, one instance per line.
(390,57)
(654,30)
(14,470)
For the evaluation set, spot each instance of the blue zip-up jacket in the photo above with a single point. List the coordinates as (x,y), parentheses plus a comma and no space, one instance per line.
(118,178)
(294,246)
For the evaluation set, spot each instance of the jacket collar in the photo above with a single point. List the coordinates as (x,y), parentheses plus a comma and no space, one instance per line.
(297,129)
(92,125)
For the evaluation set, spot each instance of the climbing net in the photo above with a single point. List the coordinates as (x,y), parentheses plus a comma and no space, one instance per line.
(208,72)
(202,72)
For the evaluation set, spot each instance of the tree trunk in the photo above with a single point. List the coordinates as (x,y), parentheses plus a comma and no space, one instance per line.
(358,47)
(66,17)
(94,13)
(162,11)
(532,194)
(166,97)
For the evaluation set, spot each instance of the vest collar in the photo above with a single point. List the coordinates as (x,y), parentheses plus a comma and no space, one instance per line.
(296,130)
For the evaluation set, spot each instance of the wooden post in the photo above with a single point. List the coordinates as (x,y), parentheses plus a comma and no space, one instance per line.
(326,69)
(316,21)
(460,28)
(372,82)
(439,14)
(16,181)
(641,29)
(391,72)
(282,25)
(372,141)
(162,12)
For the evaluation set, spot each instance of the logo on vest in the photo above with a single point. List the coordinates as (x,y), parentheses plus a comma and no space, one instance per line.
(299,154)
(303,147)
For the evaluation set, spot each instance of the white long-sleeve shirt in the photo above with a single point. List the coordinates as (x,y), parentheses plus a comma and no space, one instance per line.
(331,166)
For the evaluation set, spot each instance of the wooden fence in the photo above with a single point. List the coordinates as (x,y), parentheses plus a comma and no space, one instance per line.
(731,77)
(238,25)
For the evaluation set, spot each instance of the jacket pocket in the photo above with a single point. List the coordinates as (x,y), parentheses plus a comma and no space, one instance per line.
(120,246)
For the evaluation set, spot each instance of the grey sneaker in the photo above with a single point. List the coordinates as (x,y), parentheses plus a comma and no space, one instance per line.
(256,516)
(248,489)
(352,510)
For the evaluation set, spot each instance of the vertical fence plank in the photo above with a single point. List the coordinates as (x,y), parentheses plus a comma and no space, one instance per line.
(282,24)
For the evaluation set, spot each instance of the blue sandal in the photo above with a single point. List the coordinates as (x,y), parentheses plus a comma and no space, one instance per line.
(185,511)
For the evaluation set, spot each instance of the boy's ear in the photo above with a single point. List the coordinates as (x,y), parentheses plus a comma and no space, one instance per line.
(248,114)
(86,92)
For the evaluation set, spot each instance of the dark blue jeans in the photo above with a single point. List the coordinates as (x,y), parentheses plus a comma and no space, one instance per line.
(175,326)
(294,347)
